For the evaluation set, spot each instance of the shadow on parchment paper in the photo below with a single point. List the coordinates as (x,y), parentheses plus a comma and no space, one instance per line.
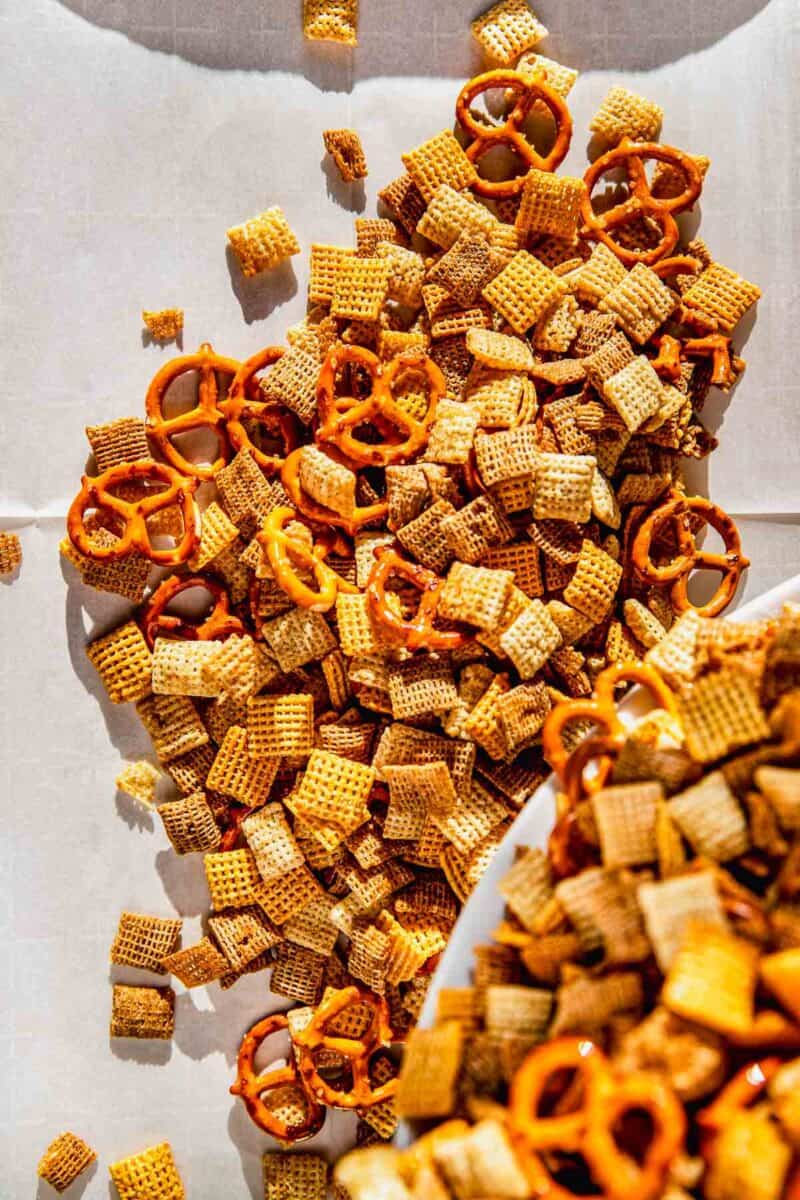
(431,38)
(75,1190)
(259,295)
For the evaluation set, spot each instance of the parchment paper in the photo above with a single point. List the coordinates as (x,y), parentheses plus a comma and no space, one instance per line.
(134,132)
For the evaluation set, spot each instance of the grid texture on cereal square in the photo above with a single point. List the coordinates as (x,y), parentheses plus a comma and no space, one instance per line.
(452,433)
(523,291)
(176,729)
(292,382)
(294,1176)
(498,350)
(635,392)
(123,662)
(331,21)
(178,667)
(404,200)
(449,213)
(550,204)
(334,790)
(233,878)
(531,638)
(599,274)
(344,147)
(640,301)
(721,713)
(139,779)
(272,842)
(164,324)
(420,685)
(475,594)
(143,941)
(142,1012)
(564,487)
(439,160)
(236,773)
(152,1173)
(279,725)
(326,262)
(243,935)
(625,114)
(64,1160)
(723,295)
(465,267)
(298,973)
(360,288)
(506,30)
(299,637)
(198,964)
(189,824)
(594,583)
(508,454)
(447,317)
(261,242)
(118,441)
(217,533)
(475,528)
(557,76)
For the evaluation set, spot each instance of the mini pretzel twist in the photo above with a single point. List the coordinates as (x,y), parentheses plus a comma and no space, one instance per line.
(601,710)
(731,564)
(242,404)
(206,414)
(742,1091)
(286,554)
(313,511)
(340,417)
(252,1086)
(417,632)
(640,201)
(725,367)
(528,91)
(595,1103)
(667,363)
(97,493)
(219,624)
(358,1051)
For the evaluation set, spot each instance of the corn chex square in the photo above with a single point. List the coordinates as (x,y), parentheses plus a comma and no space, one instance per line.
(563,490)
(507,29)
(626,114)
(523,291)
(531,638)
(594,584)
(723,295)
(550,204)
(360,288)
(439,161)
(635,392)
(263,241)
(641,302)
(334,791)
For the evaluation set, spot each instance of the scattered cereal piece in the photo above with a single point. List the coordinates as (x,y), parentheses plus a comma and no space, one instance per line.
(506,30)
(344,147)
(10,552)
(152,1173)
(64,1160)
(165,324)
(263,241)
(624,114)
(331,21)
(139,780)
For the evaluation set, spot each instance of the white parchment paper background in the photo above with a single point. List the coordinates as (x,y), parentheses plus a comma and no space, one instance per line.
(133,133)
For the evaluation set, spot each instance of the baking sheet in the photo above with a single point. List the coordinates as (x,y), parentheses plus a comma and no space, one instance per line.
(134,132)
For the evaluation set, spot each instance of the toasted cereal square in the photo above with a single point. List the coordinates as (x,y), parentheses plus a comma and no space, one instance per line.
(272,842)
(282,898)
(641,302)
(465,267)
(217,533)
(298,637)
(294,1176)
(404,200)
(115,442)
(243,935)
(360,288)
(123,662)
(233,878)
(781,786)
(675,655)
(344,147)
(293,382)
(523,560)
(280,725)
(712,979)
(721,713)
(477,595)
(452,433)
(407,273)
(506,30)
(175,726)
(358,633)
(523,291)
(751,1158)
(331,21)
(558,77)
(557,328)
(151,1173)
(594,584)
(189,824)
(371,230)
(143,941)
(334,791)
(550,204)
(330,483)
(507,455)
(499,350)
(531,639)
(599,274)
(197,965)
(710,818)
(236,772)
(142,1012)
(426,537)
(326,262)
(178,667)
(447,318)
(475,528)
(449,214)
(439,160)
(64,1160)
(668,906)
(139,779)
(164,324)
(723,295)
(564,487)
(625,816)
(635,392)
(422,684)
(428,1077)
(417,792)
(528,886)
(625,114)
(263,241)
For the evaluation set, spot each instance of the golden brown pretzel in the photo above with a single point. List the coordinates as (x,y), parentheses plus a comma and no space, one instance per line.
(286,553)
(206,414)
(218,625)
(339,419)
(318,513)
(134,535)
(731,564)
(485,137)
(640,201)
(252,1086)
(357,1051)
(242,404)
(417,632)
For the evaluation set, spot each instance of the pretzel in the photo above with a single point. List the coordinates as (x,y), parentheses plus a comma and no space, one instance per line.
(640,201)
(252,1087)
(584,1120)
(600,710)
(667,363)
(285,553)
(134,535)
(242,404)
(529,90)
(313,511)
(218,625)
(416,632)
(731,564)
(677,264)
(742,1091)
(724,367)
(206,414)
(339,417)
(358,1051)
